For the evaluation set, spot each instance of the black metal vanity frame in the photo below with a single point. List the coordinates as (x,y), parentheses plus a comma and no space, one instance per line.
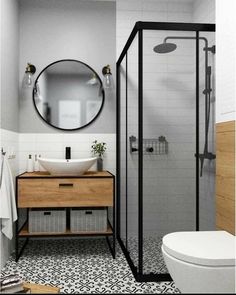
(111,245)
(138,31)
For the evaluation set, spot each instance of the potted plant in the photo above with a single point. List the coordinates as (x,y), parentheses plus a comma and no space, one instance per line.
(98,149)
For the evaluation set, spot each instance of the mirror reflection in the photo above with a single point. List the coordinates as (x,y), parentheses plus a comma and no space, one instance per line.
(68,94)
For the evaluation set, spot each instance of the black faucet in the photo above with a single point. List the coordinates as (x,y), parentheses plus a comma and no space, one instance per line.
(68,153)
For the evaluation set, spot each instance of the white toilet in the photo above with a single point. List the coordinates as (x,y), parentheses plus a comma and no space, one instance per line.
(201,262)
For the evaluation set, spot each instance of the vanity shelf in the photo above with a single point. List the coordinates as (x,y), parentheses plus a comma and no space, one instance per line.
(43,190)
(24,233)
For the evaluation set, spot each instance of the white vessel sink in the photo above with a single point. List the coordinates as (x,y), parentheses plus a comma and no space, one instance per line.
(67,167)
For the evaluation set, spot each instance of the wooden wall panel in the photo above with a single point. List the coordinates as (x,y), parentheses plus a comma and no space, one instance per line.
(225,176)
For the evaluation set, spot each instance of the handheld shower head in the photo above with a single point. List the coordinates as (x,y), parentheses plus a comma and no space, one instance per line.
(165,47)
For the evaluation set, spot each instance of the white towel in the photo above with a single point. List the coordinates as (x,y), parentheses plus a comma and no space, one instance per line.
(8,212)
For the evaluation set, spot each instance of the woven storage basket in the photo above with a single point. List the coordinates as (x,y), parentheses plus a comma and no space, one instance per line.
(88,219)
(47,220)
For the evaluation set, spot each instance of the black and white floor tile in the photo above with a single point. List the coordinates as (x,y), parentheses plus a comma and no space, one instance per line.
(152,258)
(80,266)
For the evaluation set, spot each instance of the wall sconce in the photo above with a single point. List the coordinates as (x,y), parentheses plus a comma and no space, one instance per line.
(108,79)
(28,80)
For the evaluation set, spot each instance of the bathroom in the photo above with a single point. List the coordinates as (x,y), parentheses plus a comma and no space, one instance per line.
(42,32)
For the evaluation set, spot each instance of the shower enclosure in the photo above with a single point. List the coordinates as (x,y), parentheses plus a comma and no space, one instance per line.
(165,139)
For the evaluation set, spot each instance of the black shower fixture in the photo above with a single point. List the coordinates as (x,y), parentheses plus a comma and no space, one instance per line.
(211,49)
(166,47)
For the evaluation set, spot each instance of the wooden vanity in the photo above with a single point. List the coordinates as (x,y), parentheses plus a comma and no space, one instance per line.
(43,190)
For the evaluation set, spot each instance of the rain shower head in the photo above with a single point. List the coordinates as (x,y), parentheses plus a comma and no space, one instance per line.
(165,47)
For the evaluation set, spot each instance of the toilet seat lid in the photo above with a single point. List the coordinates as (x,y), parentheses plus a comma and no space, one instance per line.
(210,248)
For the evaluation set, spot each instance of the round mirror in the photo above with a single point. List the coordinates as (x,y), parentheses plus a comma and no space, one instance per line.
(68,94)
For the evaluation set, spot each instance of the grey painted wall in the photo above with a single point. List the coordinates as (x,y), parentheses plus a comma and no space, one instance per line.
(52,30)
(9,64)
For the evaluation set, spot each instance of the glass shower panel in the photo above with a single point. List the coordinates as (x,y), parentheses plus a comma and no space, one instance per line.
(169,140)
(123,131)
(207,130)
(132,158)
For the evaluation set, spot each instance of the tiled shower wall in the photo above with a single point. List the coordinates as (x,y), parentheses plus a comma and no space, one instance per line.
(162,174)
(169,110)
(204,11)
(130,11)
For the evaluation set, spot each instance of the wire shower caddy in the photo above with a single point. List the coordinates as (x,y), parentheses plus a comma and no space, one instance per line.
(151,146)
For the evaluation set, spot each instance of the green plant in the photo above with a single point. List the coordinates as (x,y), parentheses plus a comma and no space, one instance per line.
(98,148)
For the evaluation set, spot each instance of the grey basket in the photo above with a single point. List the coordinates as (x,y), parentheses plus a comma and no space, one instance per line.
(47,221)
(88,219)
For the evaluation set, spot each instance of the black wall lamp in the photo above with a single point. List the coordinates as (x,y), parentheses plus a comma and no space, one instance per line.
(108,79)
(28,80)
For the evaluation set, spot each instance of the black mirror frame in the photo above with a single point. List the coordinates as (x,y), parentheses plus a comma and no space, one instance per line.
(103,95)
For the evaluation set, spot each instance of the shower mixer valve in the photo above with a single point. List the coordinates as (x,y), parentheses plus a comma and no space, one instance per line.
(149,149)
(202,157)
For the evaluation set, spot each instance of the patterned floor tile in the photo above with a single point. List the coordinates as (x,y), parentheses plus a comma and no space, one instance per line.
(80,267)
(153,260)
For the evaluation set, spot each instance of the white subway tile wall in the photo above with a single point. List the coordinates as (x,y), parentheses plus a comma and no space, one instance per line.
(10,145)
(53,146)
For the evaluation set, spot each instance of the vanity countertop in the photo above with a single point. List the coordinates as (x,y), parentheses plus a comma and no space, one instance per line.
(88,174)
